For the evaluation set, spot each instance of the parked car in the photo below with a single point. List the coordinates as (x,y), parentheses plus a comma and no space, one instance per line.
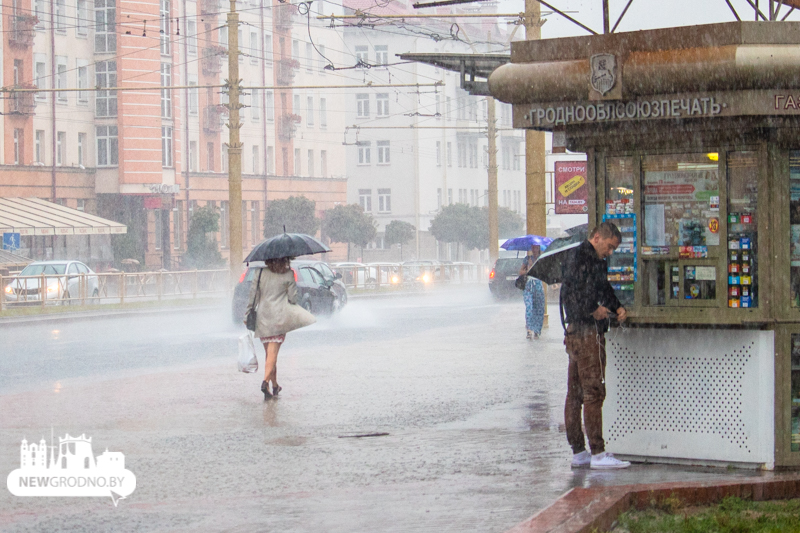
(65,282)
(314,292)
(503,276)
(339,289)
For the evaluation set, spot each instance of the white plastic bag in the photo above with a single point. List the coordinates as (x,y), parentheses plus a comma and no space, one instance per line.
(248,362)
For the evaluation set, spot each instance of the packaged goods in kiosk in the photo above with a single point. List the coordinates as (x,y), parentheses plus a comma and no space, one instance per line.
(741,260)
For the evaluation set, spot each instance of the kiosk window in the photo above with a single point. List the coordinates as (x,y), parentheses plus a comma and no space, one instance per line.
(795,407)
(681,197)
(794,220)
(619,186)
(742,229)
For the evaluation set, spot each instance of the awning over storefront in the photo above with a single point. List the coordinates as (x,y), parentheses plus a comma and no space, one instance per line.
(33,216)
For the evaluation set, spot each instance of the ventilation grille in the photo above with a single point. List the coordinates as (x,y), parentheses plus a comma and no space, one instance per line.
(680,394)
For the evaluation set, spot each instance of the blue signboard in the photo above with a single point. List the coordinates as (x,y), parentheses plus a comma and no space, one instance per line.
(10,241)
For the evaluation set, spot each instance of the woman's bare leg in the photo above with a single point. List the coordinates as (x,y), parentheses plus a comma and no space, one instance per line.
(271,365)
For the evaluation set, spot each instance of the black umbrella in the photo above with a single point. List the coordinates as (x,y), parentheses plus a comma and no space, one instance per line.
(550,266)
(286,245)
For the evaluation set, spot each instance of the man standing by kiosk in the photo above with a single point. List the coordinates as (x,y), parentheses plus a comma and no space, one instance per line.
(589,303)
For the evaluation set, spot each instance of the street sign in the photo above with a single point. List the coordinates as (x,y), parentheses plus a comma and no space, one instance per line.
(10,241)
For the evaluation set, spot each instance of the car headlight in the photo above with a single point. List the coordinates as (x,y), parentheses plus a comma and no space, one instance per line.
(426,278)
(52,288)
(395,279)
(9,290)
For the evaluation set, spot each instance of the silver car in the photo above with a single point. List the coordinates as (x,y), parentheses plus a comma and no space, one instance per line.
(64,281)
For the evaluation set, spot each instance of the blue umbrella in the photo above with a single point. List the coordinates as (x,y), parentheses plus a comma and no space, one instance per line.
(525,243)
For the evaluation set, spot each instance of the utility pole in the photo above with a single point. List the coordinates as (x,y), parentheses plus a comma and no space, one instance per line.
(234,147)
(535,177)
(494,245)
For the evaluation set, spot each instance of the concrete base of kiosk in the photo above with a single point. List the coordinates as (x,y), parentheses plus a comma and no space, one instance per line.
(691,396)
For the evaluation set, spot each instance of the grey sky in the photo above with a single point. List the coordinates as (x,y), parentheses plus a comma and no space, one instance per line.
(642,15)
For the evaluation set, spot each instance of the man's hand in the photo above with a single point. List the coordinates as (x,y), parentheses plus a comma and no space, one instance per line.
(622,314)
(601,313)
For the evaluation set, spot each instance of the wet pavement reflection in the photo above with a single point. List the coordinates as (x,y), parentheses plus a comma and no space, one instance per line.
(470,411)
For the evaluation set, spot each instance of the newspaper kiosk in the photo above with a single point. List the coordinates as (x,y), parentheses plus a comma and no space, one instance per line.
(692,138)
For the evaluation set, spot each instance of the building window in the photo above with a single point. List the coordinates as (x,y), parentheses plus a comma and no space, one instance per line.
(363,153)
(449,155)
(194,98)
(255,104)
(105,73)
(223,156)
(438,153)
(270,160)
(60,13)
(254,51)
(61,78)
(38,147)
(83,81)
(311,163)
(158,228)
(506,157)
(81,204)
(462,154)
(515,157)
(166,94)
(81,149)
(224,223)
(438,198)
(383,152)
(166,147)
(438,106)
(191,37)
(447,114)
(210,157)
(321,48)
(40,75)
(165,27)
(365,199)
(297,163)
(296,50)
(255,159)
(255,222)
(382,101)
(309,59)
(323,113)
(192,156)
(381,55)
(296,104)
(362,105)
(362,55)
(268,49)
(61,146)
(450,196)
(41,12)
(384,200)
(270,106)
(105,36)
(177,224)
(107,146)
(310,111)
(323,160)
(285,157)
(473,154)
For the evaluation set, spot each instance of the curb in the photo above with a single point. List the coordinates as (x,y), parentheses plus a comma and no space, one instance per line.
(89,315)
(597,509)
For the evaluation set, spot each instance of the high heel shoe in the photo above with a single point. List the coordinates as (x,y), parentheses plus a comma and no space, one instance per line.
(265,390)
(276,389)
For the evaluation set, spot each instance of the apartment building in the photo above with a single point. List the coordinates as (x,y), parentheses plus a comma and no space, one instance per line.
(412,151)
(145,156)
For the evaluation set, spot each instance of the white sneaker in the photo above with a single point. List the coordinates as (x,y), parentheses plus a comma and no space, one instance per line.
(581,460)
(606,461)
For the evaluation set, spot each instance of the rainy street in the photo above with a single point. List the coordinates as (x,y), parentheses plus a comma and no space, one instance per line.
(472,414)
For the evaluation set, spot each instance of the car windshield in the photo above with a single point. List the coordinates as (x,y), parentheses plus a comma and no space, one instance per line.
(508,266)
(36,270)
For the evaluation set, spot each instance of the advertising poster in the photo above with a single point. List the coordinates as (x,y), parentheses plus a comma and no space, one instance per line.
(571,193)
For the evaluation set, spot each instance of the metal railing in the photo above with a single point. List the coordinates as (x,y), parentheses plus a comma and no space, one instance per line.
(110,288)
(374,277)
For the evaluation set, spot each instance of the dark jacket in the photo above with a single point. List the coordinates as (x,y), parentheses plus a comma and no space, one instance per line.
(586,287)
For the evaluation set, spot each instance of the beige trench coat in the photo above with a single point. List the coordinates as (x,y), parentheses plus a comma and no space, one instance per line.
(277,312)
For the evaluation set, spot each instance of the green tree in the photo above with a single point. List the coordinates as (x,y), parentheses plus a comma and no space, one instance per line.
(201,245)
(399,232)
(349,223)
(509,223)
(296,213)
(469,225)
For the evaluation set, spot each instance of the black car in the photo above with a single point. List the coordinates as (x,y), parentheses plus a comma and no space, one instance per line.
(314,292)
(503,276)
(339,289)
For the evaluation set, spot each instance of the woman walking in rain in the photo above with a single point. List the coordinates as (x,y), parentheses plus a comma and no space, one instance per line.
(274,297)
(533,295)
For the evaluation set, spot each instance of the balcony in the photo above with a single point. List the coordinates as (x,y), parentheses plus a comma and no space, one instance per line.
(284,16)
(287,126)
(213,117)
(21,103)
(211,61)
(286,71)
(22,30)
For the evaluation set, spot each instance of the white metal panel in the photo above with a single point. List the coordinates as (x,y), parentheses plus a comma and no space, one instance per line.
(697,394)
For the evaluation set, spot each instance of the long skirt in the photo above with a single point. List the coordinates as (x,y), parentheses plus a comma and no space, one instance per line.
(534,305)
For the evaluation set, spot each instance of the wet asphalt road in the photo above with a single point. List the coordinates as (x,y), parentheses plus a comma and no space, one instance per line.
(473,412)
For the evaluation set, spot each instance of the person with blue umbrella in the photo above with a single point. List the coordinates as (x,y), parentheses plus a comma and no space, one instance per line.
(533,296)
